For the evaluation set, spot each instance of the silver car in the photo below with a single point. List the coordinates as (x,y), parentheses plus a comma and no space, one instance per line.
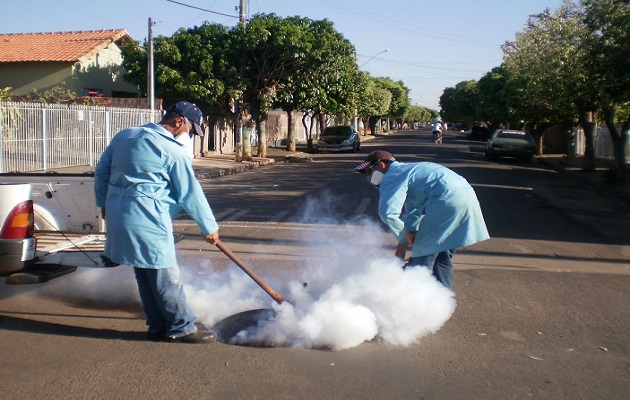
(509,143)
(339,138)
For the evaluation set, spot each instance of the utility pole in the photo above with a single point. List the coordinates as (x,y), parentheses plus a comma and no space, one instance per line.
(242,12)
(238,104)
(150,72)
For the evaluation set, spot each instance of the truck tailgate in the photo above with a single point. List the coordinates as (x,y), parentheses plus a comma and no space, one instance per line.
(53,242)
(60,254)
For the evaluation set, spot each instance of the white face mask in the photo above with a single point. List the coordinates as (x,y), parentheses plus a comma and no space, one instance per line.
(376,178)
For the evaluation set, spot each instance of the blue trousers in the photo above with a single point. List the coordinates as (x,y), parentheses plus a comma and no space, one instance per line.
(441,265)
(164,301)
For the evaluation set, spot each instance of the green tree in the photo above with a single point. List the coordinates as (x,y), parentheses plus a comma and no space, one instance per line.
(296,63)
(273,48)
(400,97)
(292,88)
(374,100)
(547,64)
(326,80)
(194,64)
(459,103)
(497,100)
(417,114)
(608,24)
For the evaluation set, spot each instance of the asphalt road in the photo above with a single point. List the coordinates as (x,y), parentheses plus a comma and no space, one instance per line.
(541,307)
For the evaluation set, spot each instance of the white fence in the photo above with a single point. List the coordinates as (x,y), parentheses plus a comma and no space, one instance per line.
(602,144)
(36,137)
(41,137)
(604,147)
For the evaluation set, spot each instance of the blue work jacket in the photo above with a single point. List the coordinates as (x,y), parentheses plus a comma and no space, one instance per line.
(143,179)
(433,201)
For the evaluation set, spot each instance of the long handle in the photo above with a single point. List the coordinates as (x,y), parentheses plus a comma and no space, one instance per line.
(275,295)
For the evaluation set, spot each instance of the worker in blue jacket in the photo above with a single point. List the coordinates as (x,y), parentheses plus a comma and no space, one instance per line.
(428,206)
(142,180)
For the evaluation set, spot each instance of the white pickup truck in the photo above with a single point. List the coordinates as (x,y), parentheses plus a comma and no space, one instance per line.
(50,225)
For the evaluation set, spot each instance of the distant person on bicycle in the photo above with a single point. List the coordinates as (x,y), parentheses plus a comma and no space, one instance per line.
(437,132)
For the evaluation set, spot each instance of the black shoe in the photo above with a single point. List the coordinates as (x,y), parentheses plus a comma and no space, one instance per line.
(201,327)
(156,336)
(195,337)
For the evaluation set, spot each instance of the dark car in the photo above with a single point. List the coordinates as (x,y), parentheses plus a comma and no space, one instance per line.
(339,138)
(479,133)
(507,143)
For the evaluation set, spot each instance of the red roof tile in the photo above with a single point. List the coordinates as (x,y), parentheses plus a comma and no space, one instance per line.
(56,46)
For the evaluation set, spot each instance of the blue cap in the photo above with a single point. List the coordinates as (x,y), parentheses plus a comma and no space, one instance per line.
(190,111)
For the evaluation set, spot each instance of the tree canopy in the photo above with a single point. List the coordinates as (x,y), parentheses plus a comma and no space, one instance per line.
(567,65)
(294,63)
(459,103)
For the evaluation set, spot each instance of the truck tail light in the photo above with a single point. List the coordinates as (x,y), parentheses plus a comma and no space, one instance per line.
(20,223)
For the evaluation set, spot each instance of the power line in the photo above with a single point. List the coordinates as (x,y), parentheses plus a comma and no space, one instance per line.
(394,23)
(431,66)
(202,9)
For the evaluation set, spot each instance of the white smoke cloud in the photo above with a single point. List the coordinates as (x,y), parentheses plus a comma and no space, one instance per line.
(108,287)
(356,292)
(379,301)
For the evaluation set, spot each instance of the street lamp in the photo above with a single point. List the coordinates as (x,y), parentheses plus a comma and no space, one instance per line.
(374,56)
(356,119)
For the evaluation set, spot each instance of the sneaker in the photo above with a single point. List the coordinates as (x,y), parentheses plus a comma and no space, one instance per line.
(156,336)
(195,337)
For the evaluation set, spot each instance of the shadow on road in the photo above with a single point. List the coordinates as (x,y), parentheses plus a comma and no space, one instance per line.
(10,323)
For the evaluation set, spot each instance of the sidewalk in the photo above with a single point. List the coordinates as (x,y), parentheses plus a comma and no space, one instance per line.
(215,165)
(595,180)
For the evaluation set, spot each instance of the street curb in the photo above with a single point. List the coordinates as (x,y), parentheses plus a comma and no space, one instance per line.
(217,170)
(249,165)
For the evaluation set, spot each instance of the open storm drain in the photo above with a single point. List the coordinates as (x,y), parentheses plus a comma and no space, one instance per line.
(227,330)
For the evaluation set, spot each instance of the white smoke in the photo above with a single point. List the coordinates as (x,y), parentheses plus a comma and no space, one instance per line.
(104,287)
(376,301)
(357,292)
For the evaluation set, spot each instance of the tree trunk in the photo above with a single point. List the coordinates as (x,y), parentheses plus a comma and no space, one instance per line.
(536,131)
(247,144)
(291,139)
(539,142)
(322,122)
(321,119)
(619,140)
(372,122)
(309,128)
(586,120)
(261,129)
(238,145)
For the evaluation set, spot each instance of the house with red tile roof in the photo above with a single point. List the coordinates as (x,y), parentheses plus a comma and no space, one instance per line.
(86,62)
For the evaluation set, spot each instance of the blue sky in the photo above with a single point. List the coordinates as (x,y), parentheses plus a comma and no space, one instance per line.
(432,44)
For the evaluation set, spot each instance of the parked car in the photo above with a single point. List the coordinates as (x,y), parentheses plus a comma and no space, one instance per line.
(479,133)
(508,143)
(339,138)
